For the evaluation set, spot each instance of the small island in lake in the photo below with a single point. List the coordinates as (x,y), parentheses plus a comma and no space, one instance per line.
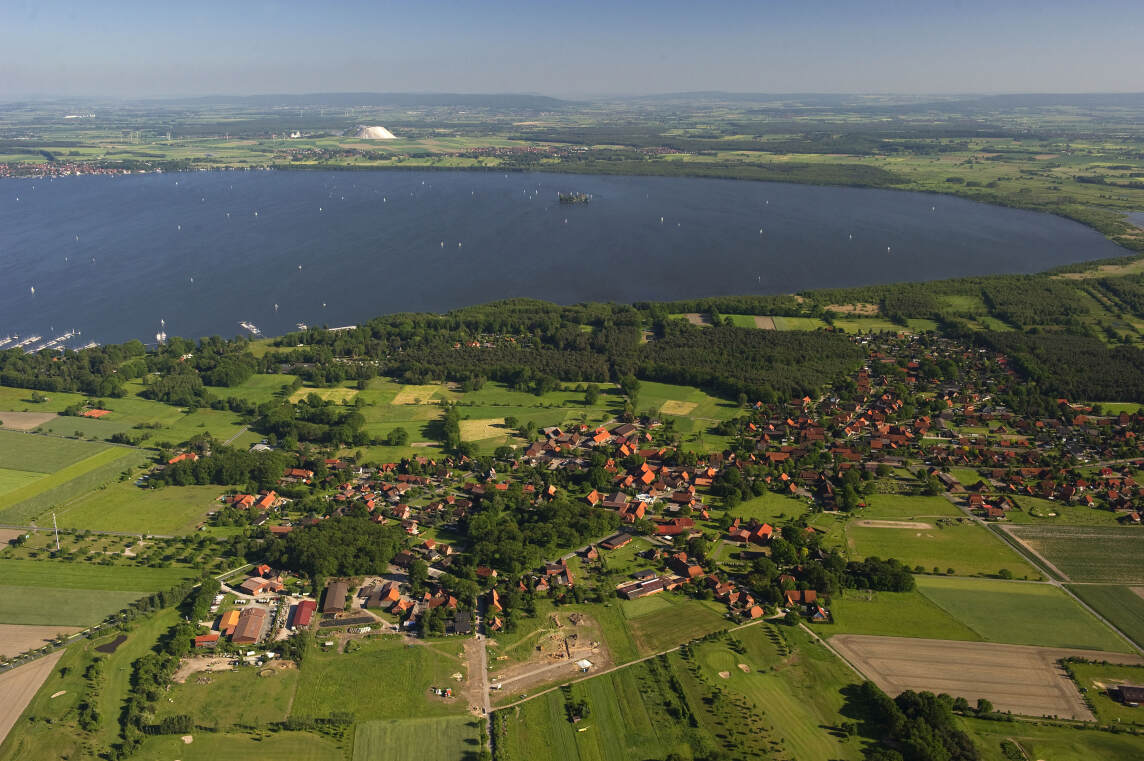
(571,198)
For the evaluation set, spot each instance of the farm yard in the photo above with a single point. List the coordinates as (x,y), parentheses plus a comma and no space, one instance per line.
(1101,554)
(1021,679)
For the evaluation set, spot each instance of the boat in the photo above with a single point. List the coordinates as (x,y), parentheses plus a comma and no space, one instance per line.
(247,325)
(7,340)
(303,326)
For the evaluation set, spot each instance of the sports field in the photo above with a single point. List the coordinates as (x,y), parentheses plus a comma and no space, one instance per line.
(1016,612)
(447,738)
(1109,554)
(1024,680)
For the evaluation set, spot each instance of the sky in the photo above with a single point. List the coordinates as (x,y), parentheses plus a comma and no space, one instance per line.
(124,48)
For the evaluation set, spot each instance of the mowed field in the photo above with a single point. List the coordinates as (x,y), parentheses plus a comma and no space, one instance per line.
(1016,612)
(1017,678)
(967,548)
(124,506)
(452,738)
(1109,554)
(255,746)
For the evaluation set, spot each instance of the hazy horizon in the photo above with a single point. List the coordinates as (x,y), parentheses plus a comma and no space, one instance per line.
(127,49)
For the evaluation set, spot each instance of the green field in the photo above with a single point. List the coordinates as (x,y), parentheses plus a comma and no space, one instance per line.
(670,621)
(43,454)
(892,614)
(126,507)
(1089,553)
(770,507)
(1016,613)
(453,738)
(243,697)
(1120,605)
(386,678)
(13,480)
(967,548)
(1053,743)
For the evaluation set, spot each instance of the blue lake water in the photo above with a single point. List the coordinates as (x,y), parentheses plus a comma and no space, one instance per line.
(203,251)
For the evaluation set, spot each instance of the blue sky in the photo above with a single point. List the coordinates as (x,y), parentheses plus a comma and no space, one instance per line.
(128,48)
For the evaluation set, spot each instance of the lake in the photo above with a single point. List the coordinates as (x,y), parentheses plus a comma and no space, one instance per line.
(112,257)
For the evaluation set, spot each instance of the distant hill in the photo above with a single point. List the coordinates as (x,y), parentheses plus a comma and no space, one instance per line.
(349,99)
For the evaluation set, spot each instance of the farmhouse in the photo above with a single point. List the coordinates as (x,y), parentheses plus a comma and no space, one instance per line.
(227,622)
(1129,694)
(250,626)
(304,613)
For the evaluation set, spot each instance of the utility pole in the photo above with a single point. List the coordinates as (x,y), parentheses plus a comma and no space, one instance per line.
(57,530)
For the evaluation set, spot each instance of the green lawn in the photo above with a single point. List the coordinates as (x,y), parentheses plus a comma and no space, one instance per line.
(1120,605)
(892,614)
(1020,613)
(20,400)
(770,507)
(242,697)
(452,738)
(257,388)
(966,547)
(1090,553)
(684,401)
(126,507)
(259,746)
(385,679)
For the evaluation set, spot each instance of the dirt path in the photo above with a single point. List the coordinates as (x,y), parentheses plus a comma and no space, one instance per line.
(19,686)
(894,524)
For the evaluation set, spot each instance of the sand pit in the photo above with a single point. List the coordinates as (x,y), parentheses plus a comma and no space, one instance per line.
(55,695)
(25,421)
(415,394)
(19,686)
(894,524)
(374,133)
(187,739)
(724,674)
(744,668)
(18,638)
(766,323)
(672,407)
(1019,678)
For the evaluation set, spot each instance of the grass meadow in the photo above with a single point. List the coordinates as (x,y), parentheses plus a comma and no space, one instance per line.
(124,506)
(892,614)
(1089,553)
(451,738)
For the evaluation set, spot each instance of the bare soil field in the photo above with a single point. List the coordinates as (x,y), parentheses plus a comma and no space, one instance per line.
(894,524)
(866,310)
(19,686)
(1019,678)
(24,421)
(8,534)
(554,656)
(18,638)
(195,665)
(765,323)
(697,319)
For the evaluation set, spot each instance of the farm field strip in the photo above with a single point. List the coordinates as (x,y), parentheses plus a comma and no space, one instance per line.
(1109,554)
(47,606)
(24,503)
(1122,606)
(451,737)
(19,686)
(1018,678)
(18,638)
(61,574)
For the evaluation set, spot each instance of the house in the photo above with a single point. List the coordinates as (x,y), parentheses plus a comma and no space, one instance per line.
(1129,694)
(250,625)
(227,622)
(335,599)
(463,622)
(674,526)
(636,589)
(267,501)
(304,613)
(803,596)
(206,640)
(254,586)
(685,566)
